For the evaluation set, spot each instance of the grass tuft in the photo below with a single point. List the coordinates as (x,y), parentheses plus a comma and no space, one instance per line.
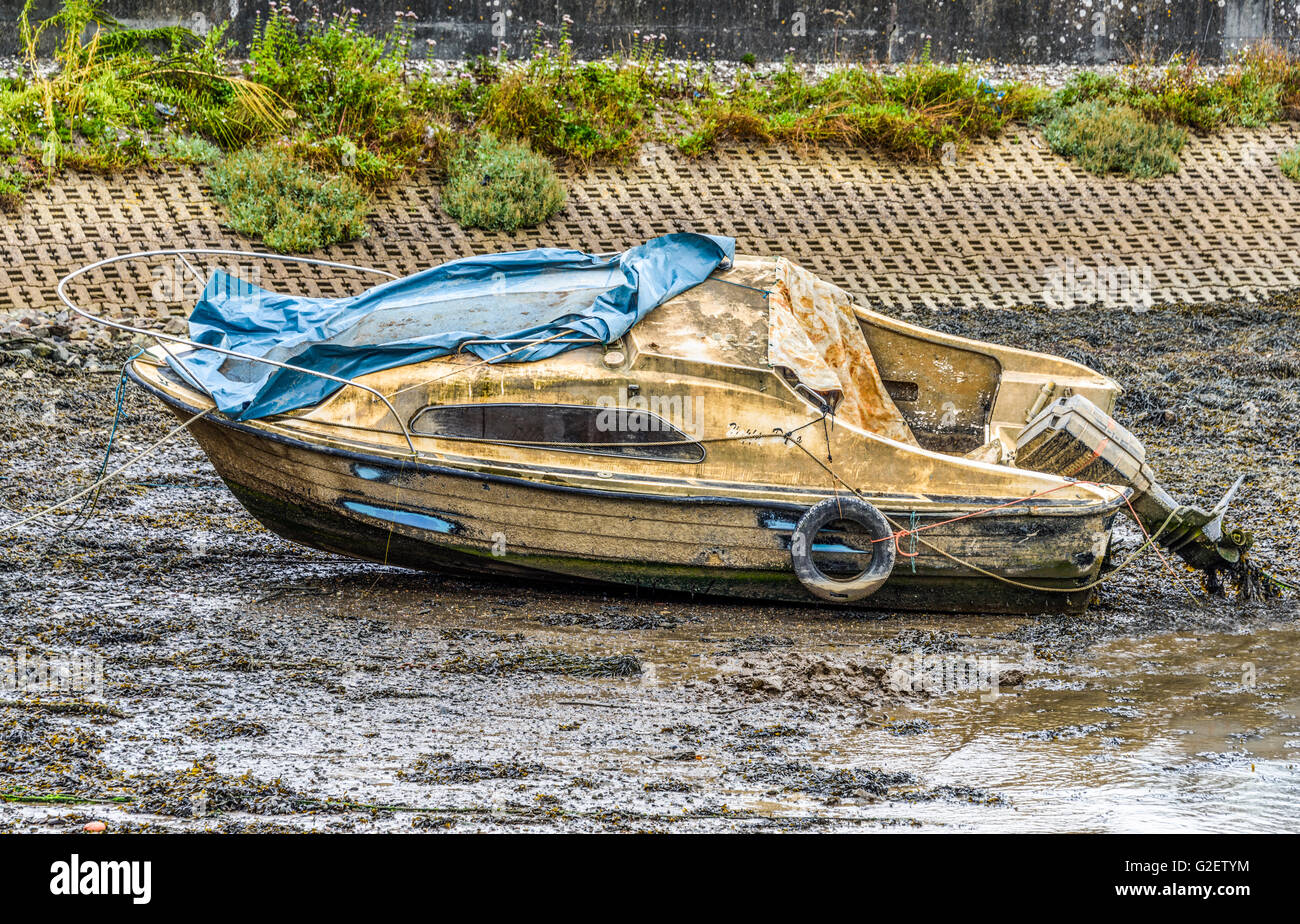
(912,115)
(15,180)
(1289,163)
(191,149)
(1261,85)
(599,111)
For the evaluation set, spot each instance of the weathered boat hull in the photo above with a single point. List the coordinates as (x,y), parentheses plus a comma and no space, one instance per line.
(439,518)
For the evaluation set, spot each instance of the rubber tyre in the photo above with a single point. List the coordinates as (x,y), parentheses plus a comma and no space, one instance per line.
(814,521)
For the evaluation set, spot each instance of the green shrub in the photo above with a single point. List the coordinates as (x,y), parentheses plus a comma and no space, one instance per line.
(594,113)
(347,89)
(1261,85)
(1271,66)
(585,112)
(342,102)
(288,204)
(1112,138)
(1289,162)
(501,186)
(912,114)
(113,89)
(191,149)
(1149,105)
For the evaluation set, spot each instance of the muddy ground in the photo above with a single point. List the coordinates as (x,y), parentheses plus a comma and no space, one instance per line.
(249,684)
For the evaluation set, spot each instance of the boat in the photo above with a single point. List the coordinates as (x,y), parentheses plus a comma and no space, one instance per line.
(693,421)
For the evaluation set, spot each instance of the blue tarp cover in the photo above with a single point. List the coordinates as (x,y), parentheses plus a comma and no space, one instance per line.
(527,295)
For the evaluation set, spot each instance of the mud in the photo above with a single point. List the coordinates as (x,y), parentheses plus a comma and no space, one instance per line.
(251,685)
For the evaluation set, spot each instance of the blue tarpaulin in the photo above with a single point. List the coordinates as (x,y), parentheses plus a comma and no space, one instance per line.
(526,295)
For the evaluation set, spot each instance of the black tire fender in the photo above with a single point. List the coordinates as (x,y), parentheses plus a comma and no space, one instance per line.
(814,520)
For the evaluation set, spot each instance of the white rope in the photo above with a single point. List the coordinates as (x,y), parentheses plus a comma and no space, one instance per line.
(6,527)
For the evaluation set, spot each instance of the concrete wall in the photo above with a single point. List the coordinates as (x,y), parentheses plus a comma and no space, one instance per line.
(1028,31)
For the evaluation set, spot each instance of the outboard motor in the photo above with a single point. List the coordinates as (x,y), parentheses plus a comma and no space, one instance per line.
(1073,438)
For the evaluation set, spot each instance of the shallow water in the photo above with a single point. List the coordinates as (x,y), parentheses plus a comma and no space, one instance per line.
(1154,734)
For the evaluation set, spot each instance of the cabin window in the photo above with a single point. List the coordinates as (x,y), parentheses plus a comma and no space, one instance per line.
(607,431)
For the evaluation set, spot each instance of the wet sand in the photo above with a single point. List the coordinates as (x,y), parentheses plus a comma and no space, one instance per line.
(250,684)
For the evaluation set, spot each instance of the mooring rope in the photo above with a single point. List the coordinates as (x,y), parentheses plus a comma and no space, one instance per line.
(119,397)
(1150,540)
(5,527)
